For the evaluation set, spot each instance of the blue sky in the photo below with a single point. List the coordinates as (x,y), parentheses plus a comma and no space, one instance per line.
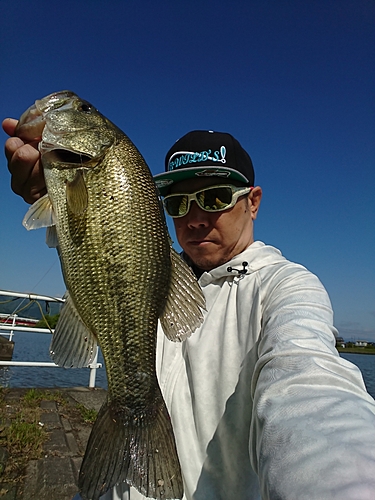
(292,80)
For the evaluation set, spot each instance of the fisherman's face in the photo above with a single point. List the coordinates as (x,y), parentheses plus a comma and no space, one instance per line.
(213,238)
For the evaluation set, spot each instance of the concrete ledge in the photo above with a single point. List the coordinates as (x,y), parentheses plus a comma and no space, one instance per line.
(50,478)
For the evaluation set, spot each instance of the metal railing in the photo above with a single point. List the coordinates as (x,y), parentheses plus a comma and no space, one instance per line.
(92,366)
(9,330)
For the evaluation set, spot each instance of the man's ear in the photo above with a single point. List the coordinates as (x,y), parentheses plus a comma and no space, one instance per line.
(255,196)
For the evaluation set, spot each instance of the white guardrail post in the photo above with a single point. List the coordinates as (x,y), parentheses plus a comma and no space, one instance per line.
(93,366)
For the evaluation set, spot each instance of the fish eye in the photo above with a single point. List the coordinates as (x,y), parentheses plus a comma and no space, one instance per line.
(85,107)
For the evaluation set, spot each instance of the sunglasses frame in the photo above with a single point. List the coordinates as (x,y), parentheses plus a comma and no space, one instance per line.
(236,193)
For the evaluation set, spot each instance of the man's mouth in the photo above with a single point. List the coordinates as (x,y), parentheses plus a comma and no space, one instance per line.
(199,242)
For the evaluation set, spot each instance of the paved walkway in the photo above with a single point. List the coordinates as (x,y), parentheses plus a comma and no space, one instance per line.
(54,476)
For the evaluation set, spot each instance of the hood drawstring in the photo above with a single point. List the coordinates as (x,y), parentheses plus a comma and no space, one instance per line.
(239,271)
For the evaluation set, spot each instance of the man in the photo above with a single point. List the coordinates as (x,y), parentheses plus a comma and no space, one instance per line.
(261,404)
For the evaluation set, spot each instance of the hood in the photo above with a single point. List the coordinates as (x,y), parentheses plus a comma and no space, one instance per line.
(257,256)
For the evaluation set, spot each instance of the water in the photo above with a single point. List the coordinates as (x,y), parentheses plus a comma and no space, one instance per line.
(35,347)
(30,346)
(366,363)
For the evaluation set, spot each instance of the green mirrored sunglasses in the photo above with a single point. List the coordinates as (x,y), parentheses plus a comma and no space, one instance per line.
(210,199)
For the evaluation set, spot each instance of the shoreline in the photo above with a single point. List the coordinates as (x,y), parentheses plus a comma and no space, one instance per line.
(355,350)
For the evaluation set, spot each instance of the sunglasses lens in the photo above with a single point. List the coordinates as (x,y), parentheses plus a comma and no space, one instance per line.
(217,198)
(176,206)
(212,199)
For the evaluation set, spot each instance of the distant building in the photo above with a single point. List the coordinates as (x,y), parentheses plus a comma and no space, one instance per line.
(361,343)
(340,342)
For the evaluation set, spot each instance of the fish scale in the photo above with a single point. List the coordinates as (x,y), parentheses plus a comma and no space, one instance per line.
(122,275)
(117,254)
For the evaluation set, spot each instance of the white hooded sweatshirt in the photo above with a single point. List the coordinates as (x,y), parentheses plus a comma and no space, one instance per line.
(262,405)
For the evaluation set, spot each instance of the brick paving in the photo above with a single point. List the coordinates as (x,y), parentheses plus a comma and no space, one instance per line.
(55,475)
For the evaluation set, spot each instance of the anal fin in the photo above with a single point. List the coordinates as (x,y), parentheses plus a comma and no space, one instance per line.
(73,344)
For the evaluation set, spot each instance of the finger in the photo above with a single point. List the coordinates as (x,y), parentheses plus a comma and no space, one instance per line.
(11,146)
(34,186)
(24,165)
(22,158)
(9,126)
(27,175)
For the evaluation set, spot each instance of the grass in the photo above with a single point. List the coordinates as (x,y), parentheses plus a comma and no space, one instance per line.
(88,415)
(33,397)
(24,437)
(356,350)
(21,433)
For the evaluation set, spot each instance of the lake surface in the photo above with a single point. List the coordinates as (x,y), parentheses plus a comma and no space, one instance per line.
(35,347)
(366,363)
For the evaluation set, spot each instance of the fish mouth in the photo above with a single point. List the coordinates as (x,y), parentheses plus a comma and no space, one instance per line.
(66,157)
(65,129)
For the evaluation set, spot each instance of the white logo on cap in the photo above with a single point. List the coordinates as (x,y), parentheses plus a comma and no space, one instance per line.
(185,157)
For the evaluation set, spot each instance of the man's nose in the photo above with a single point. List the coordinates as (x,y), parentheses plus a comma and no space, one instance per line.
(196,217)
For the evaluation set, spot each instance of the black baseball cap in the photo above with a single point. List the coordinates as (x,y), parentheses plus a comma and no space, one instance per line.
(204,153)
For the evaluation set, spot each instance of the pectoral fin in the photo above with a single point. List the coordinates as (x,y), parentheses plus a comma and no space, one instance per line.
(40,214)
(73,345)
(76,194)
(183,311)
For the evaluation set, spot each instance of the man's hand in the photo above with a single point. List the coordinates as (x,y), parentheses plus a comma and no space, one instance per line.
(24,165)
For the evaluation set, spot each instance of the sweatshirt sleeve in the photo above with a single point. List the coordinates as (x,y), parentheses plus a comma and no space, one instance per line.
(313,426)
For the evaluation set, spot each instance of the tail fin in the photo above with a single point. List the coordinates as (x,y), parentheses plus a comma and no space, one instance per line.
(136,448)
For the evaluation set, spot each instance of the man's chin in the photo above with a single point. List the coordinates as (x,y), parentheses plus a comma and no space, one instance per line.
(208,262)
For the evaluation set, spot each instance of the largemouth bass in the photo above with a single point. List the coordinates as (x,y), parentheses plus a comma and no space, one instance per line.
(103,213)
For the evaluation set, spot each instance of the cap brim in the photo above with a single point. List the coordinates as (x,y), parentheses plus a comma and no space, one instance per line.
(165,180)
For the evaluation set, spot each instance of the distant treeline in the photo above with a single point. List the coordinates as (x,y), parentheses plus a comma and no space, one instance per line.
(48,321)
